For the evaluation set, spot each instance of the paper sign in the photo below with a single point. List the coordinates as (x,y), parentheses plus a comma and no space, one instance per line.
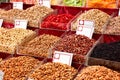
(17,5)
(45,3)
(1,75)
(21,24)
(63,57)
(1,21)
(85,28)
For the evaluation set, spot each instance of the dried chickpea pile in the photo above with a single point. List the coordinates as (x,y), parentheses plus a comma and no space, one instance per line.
(35,14)
(17,68)
(53,71)
(11,38)
(77,44)
(39,46)
(98,73)
(114,26)
(99,17)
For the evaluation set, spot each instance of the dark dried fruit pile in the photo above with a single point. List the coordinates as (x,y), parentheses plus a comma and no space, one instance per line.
(107,51)
(57,21)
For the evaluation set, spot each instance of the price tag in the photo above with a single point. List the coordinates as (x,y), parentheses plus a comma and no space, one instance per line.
(1,21)
(21,24)
(85,28)
(45,3)
(17,5)
(119,12)
(1,75)
(63,57)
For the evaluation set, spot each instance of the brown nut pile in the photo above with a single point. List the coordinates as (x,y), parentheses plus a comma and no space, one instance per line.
(99,17)
(39,46)
(17,68)
(11,38)
(114,26)
(77,44)
(10,15)
(53,71)
(35,14)
(98,73)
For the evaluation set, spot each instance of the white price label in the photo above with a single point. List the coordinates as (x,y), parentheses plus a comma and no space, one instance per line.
(45,3)
(17,5)
(119,12)
(85,28)
(1,75)
(1,21)
(63,57)
(21,24)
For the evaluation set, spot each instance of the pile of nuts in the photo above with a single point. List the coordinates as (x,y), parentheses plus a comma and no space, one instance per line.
(53,71)
(35,14)
(100,19)
(39,46)
(98,73)
(77,44)
(11,38)
(17,68)
(114,26)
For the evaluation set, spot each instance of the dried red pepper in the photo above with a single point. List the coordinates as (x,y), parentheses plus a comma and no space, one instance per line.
(57,21)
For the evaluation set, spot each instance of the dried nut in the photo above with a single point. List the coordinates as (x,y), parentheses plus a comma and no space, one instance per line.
(114,26)
(99,17)
(11,38)
(98,73)
(77,44)
(53,71)
(17,68)
(39,46)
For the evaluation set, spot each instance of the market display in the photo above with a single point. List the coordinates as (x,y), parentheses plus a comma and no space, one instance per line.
(11,38)
(57,21)
(102,3)
(98,73)
(77,44)
(53,71)
(17,68)
(97,16)
(39,46)
(113,26)
(107,51)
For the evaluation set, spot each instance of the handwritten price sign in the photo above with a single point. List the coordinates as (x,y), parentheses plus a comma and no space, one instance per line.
(21,24)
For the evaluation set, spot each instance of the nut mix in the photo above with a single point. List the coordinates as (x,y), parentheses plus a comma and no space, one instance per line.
(79,45)
(34,14)
(39,46)
(98,73)
(53,71)
(17,68)
(99,17)
(11,38)
(114,26)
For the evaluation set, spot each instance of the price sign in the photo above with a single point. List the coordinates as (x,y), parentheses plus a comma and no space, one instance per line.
(1,75)
(44,3)
(63,57)
(85,28)
(1,21)
(17,5)
(21,24)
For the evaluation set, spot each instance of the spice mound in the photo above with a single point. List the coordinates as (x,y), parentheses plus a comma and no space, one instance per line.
(39,46)
(79,45)
(17,68)
(53,71)
(97,16)
(98,73)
